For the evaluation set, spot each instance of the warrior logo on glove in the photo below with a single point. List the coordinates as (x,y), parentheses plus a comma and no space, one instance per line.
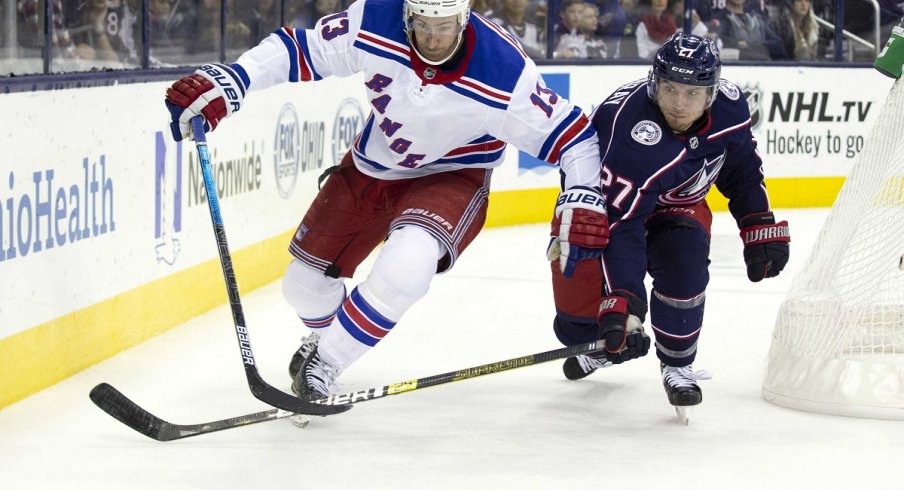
(766,247)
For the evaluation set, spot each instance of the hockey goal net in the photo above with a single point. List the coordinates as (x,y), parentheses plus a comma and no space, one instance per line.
(838,343)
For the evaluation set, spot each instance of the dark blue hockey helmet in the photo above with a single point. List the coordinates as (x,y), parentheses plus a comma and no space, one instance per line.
(688,59)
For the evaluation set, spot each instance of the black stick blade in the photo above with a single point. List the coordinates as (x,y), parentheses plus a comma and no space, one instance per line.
(118,406)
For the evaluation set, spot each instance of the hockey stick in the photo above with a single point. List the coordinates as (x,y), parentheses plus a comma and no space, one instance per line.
(110,400)
(261,390)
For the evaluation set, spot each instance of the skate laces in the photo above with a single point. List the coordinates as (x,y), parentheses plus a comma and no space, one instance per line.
(679,377)
(590,364)
(320,376)
(308,343)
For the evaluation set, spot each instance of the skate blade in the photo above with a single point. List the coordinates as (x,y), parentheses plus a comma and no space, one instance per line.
(300,420)
(684,414)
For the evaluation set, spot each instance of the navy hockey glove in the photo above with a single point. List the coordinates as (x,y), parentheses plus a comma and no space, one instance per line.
(620,320)
(214,91)
(580,228)
(766,247)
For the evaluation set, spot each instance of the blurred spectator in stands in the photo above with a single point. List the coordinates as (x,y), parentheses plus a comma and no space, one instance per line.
(305,13)
(106,31)
(627,47)
(483,7)
(537,14)
(797,28)
(611,23)
(656,24)
(569,38)
(704,9)
(512,19)
(698,27)
(712,6)
(890,14)
(597,48)
(261,17)
(859,20)
(748,33)
(238,34)
(30,29)
(168,22)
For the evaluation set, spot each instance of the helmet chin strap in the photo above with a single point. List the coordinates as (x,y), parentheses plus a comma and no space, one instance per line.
(413,42)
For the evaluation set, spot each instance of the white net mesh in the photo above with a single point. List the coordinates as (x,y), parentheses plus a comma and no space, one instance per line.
(838,343)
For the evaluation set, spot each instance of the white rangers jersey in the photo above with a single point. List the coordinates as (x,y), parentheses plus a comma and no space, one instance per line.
(426,120)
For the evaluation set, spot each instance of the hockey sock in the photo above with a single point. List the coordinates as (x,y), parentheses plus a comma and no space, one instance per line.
(315,297)
(401,275)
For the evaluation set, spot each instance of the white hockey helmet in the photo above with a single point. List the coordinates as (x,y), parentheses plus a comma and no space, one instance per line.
(438,8)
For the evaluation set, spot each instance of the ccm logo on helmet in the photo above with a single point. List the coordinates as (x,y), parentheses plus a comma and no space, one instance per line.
(681,70)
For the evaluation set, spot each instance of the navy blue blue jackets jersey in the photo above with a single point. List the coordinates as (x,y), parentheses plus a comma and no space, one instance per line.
(646,167)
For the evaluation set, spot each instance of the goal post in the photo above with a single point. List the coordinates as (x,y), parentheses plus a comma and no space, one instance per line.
(838,342)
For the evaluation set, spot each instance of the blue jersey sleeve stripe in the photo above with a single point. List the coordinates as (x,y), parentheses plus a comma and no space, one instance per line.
(587,133)
(382,53)
(364,136)
(474,159)
(483,139)
(292,49)
(472,95)
(306,52)
(550,142)
(363,159)
(243,75)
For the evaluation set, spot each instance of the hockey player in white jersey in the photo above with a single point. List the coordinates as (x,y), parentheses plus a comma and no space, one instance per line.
(448,90)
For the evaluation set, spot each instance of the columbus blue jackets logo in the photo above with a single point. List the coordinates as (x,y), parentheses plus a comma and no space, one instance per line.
(729,89)
(697,186)
(754,95)
(647,133)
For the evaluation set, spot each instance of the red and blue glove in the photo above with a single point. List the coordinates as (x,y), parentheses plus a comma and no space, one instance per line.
(214,91)
(580,228)
(766,248)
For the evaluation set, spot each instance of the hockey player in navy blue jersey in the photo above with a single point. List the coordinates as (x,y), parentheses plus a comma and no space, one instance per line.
(664,141)
(448,89)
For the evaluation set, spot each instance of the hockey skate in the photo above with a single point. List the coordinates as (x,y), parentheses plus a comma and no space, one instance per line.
(315,379)
(681,387)
(308,344)
(581,366)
